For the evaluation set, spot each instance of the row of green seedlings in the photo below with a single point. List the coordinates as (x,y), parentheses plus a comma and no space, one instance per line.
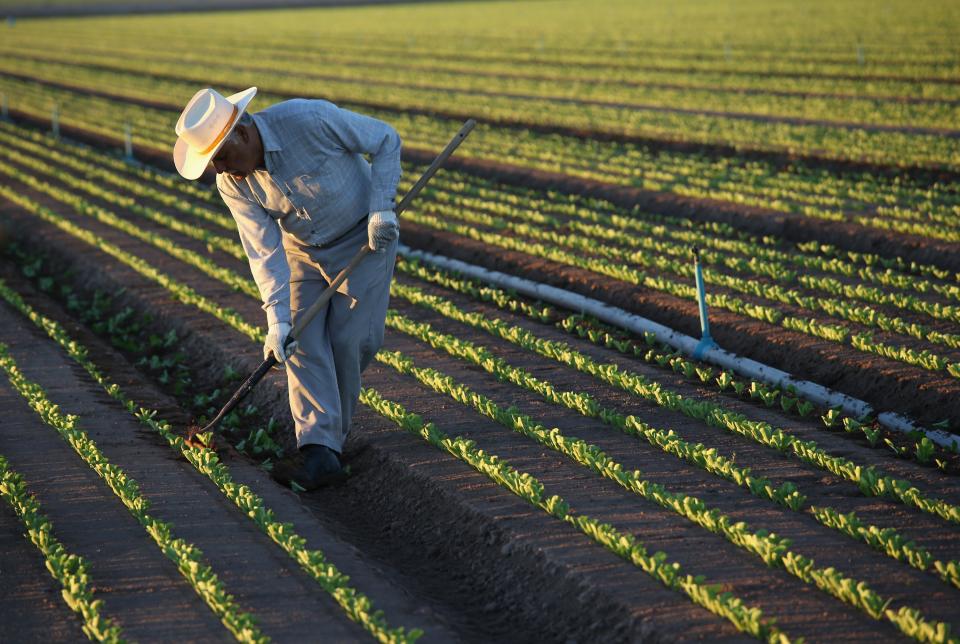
(786,494)
(157,354)
(187,557)
(103,215)
(71,571)
(881,145)
(614,262)
(531,210)
(722,603)
(772,550)
(534,151)
(755,266)
(553,60)
(356,605)
(922,448)
(107,218)
(870,480)
(589,208)
(862,341)
(484,201)
(659,354)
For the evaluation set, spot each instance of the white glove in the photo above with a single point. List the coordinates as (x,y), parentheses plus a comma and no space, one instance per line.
(276,338)
(382,228)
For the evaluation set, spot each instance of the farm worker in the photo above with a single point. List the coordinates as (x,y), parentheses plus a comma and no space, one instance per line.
(305,200)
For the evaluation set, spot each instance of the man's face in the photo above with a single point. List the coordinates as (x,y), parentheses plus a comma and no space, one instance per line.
(236,156)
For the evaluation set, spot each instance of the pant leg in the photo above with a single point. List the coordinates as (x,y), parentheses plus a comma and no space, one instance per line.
(356,332)
(311,374)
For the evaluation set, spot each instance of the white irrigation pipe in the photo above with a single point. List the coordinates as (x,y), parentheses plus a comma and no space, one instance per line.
(687,345)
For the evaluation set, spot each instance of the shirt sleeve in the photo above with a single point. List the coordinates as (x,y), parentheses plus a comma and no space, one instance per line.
(348,131)
(261,238)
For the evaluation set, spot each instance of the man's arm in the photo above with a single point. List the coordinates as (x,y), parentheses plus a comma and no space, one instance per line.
(261,238)
(343,130)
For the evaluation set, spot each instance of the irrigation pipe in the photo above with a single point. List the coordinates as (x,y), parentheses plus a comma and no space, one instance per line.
(685,344)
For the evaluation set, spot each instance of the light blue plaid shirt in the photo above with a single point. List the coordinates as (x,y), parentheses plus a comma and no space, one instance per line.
(316,186)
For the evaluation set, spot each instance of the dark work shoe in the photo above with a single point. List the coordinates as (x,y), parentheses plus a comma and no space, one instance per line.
(320,461)
(321,467)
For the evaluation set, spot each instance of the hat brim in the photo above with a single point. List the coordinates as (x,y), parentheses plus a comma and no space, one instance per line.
(189,161)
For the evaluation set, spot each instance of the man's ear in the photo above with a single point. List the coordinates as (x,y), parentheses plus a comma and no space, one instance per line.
(243,133)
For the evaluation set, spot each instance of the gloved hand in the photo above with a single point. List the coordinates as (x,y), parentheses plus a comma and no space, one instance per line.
(382,228)
(276,338)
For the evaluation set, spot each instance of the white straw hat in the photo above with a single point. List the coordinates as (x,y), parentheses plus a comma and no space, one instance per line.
(204,125)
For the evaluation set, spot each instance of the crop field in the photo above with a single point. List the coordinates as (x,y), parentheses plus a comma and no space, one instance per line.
(519,470)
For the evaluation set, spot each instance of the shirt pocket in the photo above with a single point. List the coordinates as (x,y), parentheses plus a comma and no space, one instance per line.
(312,191)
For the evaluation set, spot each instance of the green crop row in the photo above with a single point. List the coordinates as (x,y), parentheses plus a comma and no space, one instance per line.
(187,557)
(755,485)
(138,188)
(459,193)
(460,189)
(71,571)
(201,262)
(808,326)
(674,236)
(806,48)
(890,542)
(669,441)
(104,216)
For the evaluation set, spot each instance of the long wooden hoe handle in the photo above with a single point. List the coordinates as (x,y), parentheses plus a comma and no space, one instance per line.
(304,319)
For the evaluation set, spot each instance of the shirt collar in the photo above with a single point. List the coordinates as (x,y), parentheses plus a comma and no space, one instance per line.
(271,144)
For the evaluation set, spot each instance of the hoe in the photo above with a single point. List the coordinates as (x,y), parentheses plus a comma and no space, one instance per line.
(195,431)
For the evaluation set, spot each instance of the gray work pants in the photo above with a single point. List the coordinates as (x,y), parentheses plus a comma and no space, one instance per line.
(323,375)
